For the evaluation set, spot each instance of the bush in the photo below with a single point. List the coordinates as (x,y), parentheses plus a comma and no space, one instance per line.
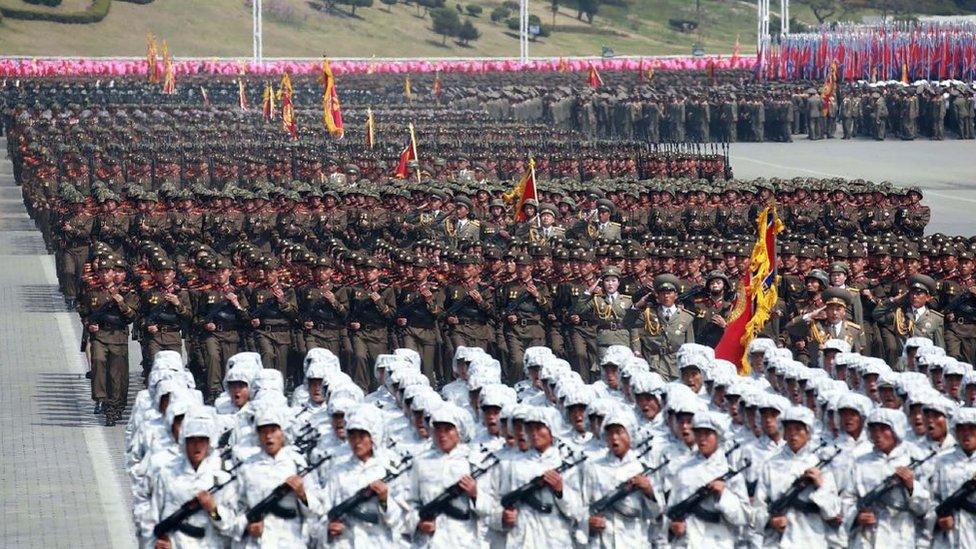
(137,1)
(389,4)
(474,10)
(511,5)
(445,22)
(92,14)
(500,14)
(352,4)
(49,3)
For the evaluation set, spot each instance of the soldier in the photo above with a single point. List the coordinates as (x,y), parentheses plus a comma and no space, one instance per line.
(320,312)
(909,314)
(659,329)
(712,309)
(75,230)
(273,311)
(575,300)
(106,311)
(164,312)
(372,305)
(219,313)
(828,321)
(462,227)
(523,306)
(546,230)
(468,307)
(420,303)
(612,310)
(814,115)
(959,297)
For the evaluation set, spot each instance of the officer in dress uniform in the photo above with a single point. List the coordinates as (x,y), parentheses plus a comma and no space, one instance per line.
(909,312)
(659,328)
(829,321)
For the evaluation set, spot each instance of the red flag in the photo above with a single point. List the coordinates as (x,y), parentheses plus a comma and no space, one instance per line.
(437,85)
(152,64)
(735,52)
(524,190)
(331,115)
(731,346)
(409,153)
(268,103)
(288,122)
(594,80)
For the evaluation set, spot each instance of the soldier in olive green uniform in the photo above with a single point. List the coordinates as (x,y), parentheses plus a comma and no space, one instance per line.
(106,311)
(524,305)
(612,310)
(273,310)
(909,314)
(220,312)
(959,297)
(712,309)
(75,231)
(164,310)
(419,303)
(574,300)
(320,312)
(372,306)
(827,322)
(659,329)
(468,307)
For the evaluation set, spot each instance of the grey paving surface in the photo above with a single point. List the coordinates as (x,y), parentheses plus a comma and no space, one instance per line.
(61,481)
(945,170)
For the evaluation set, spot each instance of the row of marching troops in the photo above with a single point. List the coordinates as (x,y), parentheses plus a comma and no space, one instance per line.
(844,452)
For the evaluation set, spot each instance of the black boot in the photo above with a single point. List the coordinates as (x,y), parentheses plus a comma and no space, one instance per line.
(98,407)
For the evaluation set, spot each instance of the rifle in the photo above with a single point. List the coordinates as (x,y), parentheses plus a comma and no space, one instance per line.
(680,510)
(438,505)
(175,519)
(510,499)
(958,500)
(871,499)
(366,493)
(263,507)
(788,499)
(625,488)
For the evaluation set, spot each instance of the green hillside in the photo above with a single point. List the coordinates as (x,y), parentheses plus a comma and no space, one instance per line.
(307,28)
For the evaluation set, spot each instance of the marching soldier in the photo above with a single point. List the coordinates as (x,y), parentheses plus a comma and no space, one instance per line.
(372,305)
(419,304)
(219,313)
(576,300)
(321,313)
(75,232)
(106,311)
(712,309)
(468,307)
(273,310)
(164,311)
(523,307)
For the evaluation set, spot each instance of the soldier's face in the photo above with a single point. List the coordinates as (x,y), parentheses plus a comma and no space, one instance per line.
(539,436)
(770,421)
(197,449)
(106,277)
(611,284)
(851,422)
(577,417)
(966,437)
(707,441)
(315,392)
(361,444)
(883,437)
(716,286)
(835,313)
(796,435)
(618,440)
(547,218)
(953,384)
(272,439)
(666,298)
(604,215)
(648,404)
(446,436)
(338,421)
(239,393)
(918,298)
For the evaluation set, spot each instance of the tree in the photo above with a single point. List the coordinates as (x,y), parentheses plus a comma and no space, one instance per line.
(390,4)
(587,8)
(445,22)
(500,14)
(554,8)
(474,10)
(822,9)
(429,5)
(468,33)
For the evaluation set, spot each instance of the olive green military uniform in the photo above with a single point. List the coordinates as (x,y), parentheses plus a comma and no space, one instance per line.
(219,324)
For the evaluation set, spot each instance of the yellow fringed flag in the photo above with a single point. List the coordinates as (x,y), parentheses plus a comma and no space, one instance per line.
(331,115)
(370,136)
(764,279)
(152,64)
(169,78)
(406,89)
(285,92)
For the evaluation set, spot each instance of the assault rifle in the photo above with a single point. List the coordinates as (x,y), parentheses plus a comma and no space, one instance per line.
(523,493)
(958,500)
(690,504)
(365,494)
(625,488)
(265,506)
(175,520)
(873,497)
(440,504)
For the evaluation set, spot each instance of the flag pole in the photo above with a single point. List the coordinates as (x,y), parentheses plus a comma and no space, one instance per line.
(413,143)
(535,191)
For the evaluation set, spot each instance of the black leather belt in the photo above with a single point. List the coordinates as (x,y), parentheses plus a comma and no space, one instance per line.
(283,512)
(196,532)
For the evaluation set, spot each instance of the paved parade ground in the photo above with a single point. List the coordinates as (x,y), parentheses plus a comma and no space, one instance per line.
(61,477)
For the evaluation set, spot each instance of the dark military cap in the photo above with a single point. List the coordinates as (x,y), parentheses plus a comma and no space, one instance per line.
(219,262)
(547,207)
(267,262)
(819,275)
(666,282)
(610,271)
(838,296)
(323,262)
(636,252)
(717,274)
(605,204)
(840,267)
(522,259)
(922,282)
(469,259)
(492,253)
(162,263)
(368,263)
